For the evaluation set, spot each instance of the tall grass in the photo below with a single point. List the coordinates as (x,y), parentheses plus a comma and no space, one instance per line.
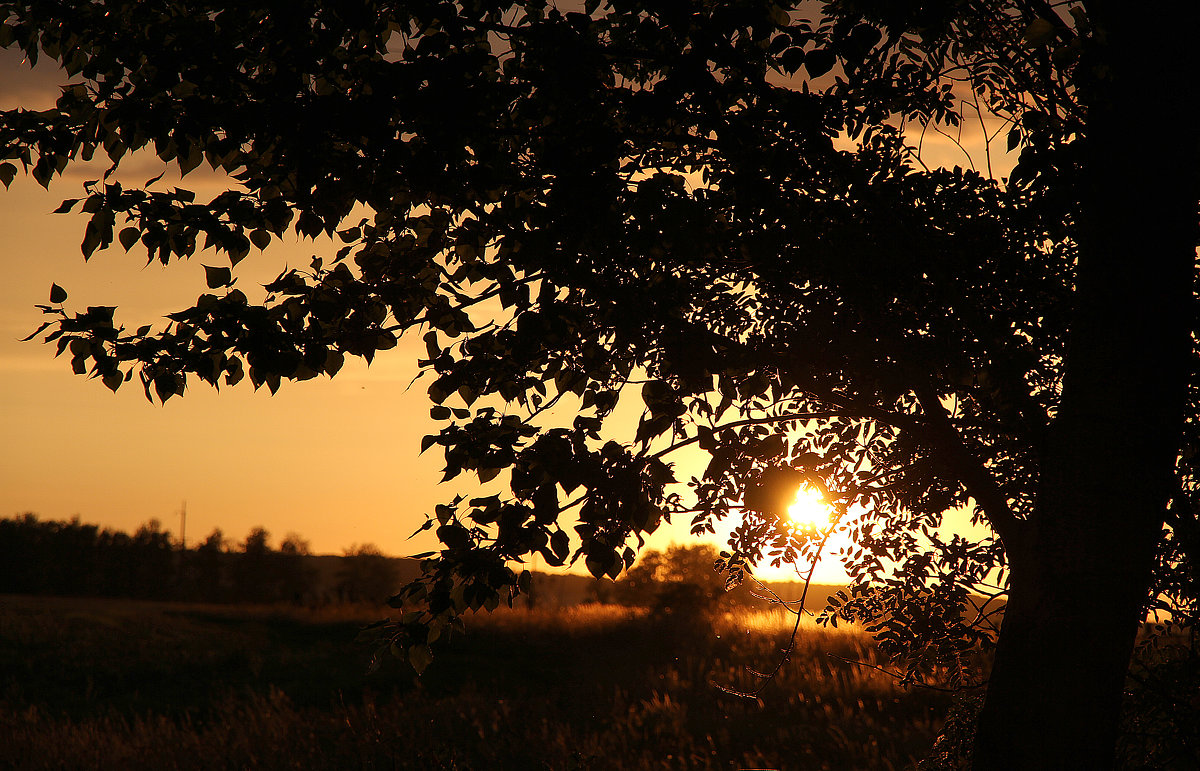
(138,685)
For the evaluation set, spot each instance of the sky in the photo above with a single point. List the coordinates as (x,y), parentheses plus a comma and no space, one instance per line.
(333,460)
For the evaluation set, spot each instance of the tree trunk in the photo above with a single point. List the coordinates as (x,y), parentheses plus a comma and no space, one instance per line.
(1054,698)
(1080,569)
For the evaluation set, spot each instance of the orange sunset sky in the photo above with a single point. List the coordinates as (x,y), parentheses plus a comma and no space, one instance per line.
(335,461)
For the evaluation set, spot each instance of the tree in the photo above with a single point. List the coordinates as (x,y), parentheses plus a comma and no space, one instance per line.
(151,562)
(366,574)
(680,580)
(210,583)
(255,577)
(295,545)
(722,208)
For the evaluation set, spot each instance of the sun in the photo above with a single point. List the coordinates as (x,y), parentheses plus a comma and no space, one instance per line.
(809,510)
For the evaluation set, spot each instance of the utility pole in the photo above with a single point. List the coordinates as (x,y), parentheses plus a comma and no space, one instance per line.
(183,526)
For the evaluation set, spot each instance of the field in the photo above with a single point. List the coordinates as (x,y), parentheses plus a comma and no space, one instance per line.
(113,684)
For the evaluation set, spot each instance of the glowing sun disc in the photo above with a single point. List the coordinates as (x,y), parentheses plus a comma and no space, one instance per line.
(809,509)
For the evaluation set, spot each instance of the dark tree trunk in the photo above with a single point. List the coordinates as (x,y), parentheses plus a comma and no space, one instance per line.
(1081,568)
(1054,698)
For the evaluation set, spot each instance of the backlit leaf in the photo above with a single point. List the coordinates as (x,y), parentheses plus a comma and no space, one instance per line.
(420,657)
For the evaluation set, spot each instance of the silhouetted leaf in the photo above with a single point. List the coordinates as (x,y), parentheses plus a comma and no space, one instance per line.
(1039,32)
(217,277)
(260,238)
(819,61)
(128,237)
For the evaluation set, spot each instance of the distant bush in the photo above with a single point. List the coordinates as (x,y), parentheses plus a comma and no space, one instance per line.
(682,579)
(366,574)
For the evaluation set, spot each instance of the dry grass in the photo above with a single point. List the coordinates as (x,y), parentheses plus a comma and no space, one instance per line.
(88,684)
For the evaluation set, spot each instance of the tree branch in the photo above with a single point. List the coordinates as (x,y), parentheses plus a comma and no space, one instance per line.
(959,460)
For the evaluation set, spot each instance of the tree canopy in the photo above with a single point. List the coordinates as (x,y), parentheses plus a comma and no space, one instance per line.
(720,211)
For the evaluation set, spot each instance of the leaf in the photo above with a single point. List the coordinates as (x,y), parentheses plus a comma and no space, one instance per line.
(91,239)
(189,162)
(238,253)
(128,237)
(57,294)
(1039,32)
(439,412)
(420,656)
(7,173)
(560,544)
(217,277)
(792,59)
(66,206)
(36,332)
(771,446)
(454,536)
(819,61)
(333,362)
(648,429)
(595,566)
(437,393)
(164,386)
(260,238)
(431,344)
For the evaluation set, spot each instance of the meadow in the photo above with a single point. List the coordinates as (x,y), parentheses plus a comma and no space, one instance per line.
(117,684)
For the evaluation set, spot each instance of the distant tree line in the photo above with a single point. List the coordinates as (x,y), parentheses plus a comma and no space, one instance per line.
(47,557)
(71,558)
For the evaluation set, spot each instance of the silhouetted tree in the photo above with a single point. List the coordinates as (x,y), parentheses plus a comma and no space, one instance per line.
(724,206)
(25,555)
(211,583)
(366,575)
(293,544)
(680,580)
(254,575)
(151,560)
(72,558)
(296,577)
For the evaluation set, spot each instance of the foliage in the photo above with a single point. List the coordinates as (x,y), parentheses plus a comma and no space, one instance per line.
(292,543)
(656,213)
(718,211)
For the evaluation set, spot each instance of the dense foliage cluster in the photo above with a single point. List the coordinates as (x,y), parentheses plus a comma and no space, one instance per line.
(578,208)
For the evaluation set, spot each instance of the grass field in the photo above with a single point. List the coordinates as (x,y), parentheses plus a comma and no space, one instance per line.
(110,684)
